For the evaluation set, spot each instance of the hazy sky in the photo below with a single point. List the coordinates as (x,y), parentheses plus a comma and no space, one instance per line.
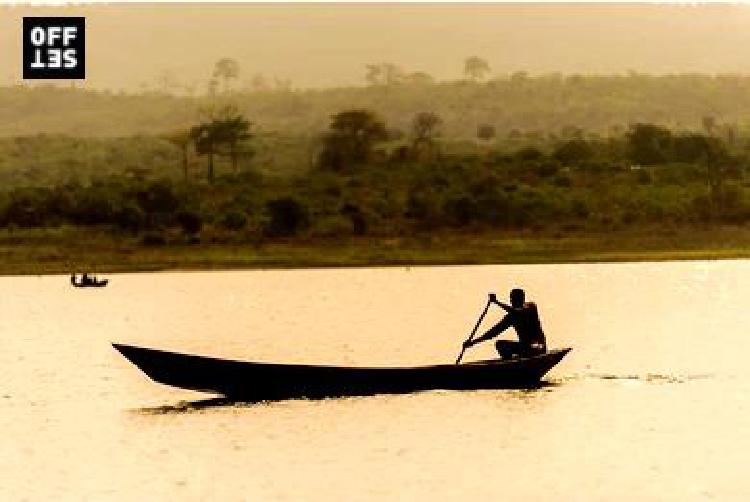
(317,45)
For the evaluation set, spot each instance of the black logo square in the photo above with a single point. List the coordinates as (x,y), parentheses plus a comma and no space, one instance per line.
(54,47)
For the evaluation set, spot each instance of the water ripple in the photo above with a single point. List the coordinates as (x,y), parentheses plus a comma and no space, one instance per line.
(652,378)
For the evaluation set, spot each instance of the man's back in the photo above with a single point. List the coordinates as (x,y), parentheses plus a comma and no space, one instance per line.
(525,321)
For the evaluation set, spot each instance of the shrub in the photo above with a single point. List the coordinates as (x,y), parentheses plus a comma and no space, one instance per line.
(563,181)
(158,198)
(333,226)
(287,217)
(26,208)
(153,239)
(529,153)
(190,222)
(233,220)
(357,218)
(130,217)
(547,169)
(460,211)
(643,177)
(573,152)
(579,209)
(485,132)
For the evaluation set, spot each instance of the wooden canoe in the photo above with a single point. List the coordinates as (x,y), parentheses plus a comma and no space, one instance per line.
(254,381)
(95,284)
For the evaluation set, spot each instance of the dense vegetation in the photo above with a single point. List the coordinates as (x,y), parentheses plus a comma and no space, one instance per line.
(383,187)
(546,156)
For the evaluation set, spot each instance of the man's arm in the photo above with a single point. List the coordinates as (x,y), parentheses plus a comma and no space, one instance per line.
(505,306)
(492,332)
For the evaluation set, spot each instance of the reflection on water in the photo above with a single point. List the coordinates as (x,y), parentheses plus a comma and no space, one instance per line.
(631,413)
(525,393)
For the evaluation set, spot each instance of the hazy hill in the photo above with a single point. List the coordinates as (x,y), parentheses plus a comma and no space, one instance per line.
(520,102)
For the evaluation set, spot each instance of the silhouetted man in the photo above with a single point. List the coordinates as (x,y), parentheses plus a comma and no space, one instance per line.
(524,318)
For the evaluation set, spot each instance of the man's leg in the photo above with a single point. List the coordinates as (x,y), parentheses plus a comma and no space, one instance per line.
(507,348)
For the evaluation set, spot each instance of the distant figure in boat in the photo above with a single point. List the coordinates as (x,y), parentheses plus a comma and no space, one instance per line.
(524,318)
(87,281)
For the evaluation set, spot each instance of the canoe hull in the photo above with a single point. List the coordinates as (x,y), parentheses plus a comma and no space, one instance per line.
(249,381)
(98,284)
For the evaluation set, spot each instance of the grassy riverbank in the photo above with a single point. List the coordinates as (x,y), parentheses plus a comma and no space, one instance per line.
(61,250)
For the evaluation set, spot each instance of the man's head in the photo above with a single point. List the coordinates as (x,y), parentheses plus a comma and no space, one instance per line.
(517,297)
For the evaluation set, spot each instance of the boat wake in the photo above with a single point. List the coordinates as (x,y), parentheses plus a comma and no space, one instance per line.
(189,406)
(547,385)
(648,378)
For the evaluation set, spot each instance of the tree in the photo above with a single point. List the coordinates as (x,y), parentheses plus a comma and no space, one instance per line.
(224,133)
(384,74)
(259,82)
(424,131)
(648,144)
(485,132)
(424,126)
(573,151)
(718,166)
(182,140)
(283,84)
(393,74)
(226,69)
(205,136)
(167,82)
(692,148)
(233,132)
(356,217)
(712,153)
(571,132)
(519,77)
(211,87)
(709,123)
(158,201)
(418,78)
(475,68)
(352,135)
(373,75)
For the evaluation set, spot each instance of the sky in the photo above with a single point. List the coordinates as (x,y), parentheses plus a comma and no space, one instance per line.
(130,46)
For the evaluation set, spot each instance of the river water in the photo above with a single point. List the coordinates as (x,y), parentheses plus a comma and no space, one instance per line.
(651,404)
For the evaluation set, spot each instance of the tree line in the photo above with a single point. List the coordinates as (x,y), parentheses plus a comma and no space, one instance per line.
(368,178)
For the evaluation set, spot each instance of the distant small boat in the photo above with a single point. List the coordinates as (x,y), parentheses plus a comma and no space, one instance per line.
(93,283)
(251,381)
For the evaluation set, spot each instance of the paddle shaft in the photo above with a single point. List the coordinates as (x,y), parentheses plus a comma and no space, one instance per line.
(473,332)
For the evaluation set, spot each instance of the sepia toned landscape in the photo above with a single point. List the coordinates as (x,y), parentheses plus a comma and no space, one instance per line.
(377,252)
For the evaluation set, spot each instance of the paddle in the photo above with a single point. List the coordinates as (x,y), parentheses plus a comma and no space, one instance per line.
(476,326)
